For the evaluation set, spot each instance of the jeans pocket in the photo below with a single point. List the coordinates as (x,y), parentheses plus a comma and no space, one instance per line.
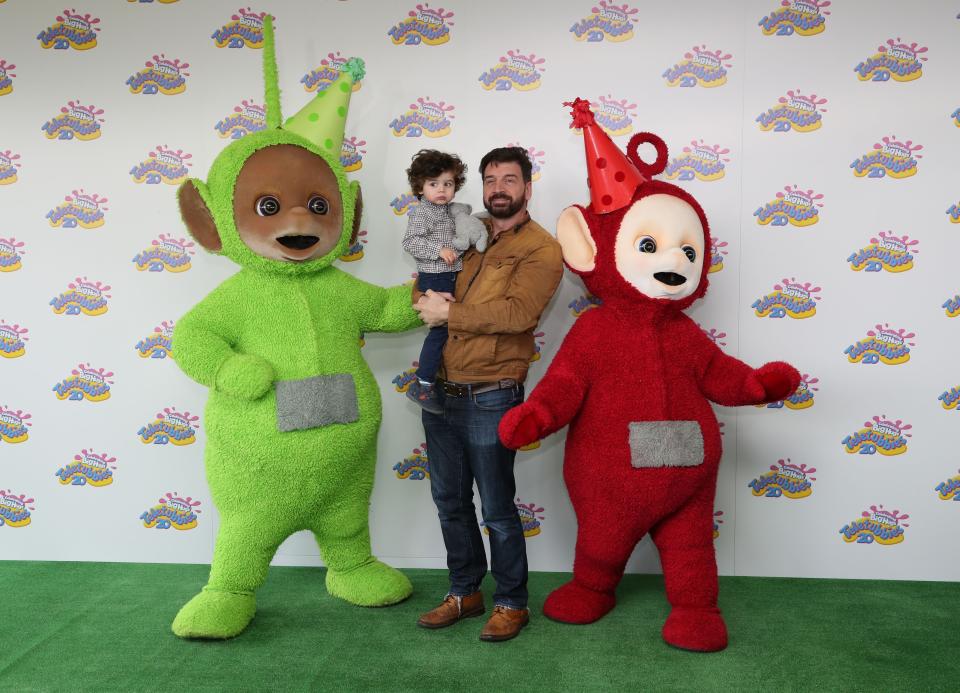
(499,400)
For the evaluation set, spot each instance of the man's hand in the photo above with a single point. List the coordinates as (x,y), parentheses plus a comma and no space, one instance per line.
(434,308)
(448,255)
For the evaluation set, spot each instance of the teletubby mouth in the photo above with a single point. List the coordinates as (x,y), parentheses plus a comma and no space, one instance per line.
(298,242)
(670,278)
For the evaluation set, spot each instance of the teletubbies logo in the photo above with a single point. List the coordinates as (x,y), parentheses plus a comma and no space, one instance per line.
(82,296)
(800,17)
(784,479)
(879,435)
(12,338)
(6,77)
(530,518)
(10,251)
(952,306)
(801,399)
(351,154)
(896,60)
(355,251)
(156,345)
(889,253)
(243,29)
(170,426)
(402,381)
(77,31)
(425,117)
(79,209)
(716,523)
(614,116)
(795,111)
(75,121)
(14,510)
(536,159)
(327,73)
(789,299)
(515,71)
(403,204)
(882,345)
(165,253)
(172,511)
(422,25)
(949,489)
(954,213)
(162,75)
(582,303)
(699,161)
(85,383)
(247,117)
(891,158)
(163,166)
(792,206)
(8,167)
(950,399)
(700,67)
(608,22)
(14,425)
(414,467)
(537,346)
(88,468)
(876,525)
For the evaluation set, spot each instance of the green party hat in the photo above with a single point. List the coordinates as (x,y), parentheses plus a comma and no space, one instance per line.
(323,120)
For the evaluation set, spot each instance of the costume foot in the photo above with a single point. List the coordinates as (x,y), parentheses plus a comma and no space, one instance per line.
(371,584)
(574,603)
(216,615)
(425,395)
(701,630)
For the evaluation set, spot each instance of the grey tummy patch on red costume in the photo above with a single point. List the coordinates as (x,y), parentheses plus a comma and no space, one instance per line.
(665,444)
(318,401)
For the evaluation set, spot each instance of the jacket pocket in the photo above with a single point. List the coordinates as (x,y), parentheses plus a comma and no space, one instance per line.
(665,444)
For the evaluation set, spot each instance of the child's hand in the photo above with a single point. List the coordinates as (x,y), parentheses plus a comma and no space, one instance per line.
(448,255)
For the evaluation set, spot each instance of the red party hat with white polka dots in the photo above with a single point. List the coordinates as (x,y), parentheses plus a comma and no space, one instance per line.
(611,176)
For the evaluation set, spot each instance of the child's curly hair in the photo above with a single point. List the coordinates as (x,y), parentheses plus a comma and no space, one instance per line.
(430,163)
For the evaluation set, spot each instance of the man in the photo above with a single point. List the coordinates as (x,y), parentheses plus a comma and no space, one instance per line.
(497,303)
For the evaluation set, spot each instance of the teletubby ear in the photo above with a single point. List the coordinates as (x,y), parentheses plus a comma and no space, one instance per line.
(196,215)
(357,211)
(573,233)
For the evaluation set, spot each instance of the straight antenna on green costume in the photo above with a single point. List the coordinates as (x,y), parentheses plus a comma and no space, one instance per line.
(271,80)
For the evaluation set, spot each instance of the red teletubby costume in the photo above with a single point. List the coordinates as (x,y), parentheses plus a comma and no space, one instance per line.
(634,378)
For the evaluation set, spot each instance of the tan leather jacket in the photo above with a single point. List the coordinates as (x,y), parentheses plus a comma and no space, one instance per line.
(500,295)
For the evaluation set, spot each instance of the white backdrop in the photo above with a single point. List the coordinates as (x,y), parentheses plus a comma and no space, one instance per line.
(79,483)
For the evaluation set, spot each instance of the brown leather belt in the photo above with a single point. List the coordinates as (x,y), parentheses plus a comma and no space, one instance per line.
(470,389)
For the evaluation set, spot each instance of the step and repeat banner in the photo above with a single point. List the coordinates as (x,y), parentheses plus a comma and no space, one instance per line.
(823,140)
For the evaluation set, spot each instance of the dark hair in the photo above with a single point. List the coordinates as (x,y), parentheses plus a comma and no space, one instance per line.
(429,163)
(505,155)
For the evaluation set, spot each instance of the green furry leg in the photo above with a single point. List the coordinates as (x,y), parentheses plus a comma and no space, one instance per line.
(215,615)
(371,584)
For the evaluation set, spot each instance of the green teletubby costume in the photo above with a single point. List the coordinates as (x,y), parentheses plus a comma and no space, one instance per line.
(294,410)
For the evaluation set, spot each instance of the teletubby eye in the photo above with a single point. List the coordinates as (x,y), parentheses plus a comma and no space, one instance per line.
(267,206)
(690,253)
(318,205)
(647,245)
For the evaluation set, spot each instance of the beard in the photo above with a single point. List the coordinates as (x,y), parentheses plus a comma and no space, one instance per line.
(502,211)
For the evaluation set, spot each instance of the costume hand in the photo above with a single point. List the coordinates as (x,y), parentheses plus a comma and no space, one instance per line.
(245,376)
(523,425)
(434,308)
(448,255)
(779,380)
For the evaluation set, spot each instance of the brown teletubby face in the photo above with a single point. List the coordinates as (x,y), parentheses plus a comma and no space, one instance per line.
(287,205)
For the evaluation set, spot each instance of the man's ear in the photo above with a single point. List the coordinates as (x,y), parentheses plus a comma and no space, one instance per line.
(573,233)
(196,214)
(357,210)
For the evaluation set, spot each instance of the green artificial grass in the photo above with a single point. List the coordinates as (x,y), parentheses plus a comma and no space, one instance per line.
(106,627)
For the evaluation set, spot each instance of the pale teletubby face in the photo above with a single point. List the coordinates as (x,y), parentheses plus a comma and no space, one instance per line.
(660,247)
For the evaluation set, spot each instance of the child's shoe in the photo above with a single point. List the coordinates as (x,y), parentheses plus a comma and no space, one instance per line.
(425,395)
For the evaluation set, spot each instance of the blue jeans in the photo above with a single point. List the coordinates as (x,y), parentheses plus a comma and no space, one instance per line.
(463,447)
(432,350)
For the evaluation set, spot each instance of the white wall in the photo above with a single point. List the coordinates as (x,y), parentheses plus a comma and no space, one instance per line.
(758,535)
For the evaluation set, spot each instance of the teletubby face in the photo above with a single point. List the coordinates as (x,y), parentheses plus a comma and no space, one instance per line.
(659,247)
(287,205)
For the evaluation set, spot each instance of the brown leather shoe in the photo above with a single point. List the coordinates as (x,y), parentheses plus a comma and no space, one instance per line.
(452,610)
(504,623)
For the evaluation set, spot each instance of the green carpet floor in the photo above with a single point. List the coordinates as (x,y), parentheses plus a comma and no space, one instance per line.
(106,627)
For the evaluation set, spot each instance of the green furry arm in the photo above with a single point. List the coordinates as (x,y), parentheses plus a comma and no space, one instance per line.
(383,310)
(202,347)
